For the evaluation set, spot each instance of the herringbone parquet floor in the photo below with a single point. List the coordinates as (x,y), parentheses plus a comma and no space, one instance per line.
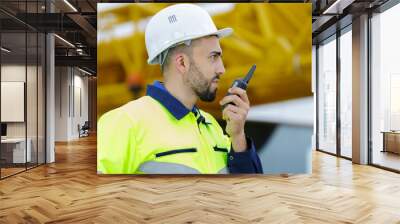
(69,191)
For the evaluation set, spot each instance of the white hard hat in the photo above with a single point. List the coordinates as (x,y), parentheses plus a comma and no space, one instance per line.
(176,24)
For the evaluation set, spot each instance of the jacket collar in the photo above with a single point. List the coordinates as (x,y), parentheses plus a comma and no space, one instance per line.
(173,105)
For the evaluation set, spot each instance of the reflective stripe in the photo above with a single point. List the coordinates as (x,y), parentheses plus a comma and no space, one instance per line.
(176,151)
(152,167)
(218,149)
(223,171)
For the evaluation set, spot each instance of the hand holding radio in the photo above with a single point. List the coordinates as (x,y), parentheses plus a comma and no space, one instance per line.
(235,108)
(241,83)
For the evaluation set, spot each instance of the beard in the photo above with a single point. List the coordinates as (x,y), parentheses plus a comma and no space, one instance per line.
(200,84)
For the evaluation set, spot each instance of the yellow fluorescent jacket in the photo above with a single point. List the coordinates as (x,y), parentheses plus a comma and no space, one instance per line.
(143,136)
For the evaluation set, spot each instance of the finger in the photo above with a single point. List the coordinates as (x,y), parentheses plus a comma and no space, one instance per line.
(227,111)
(234,99)
(224,115)
(241,93)
(241,113)
(231,116)
(236,110)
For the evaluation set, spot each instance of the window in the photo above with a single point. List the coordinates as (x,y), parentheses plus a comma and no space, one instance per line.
(327,95)
(346,92)
(385,88)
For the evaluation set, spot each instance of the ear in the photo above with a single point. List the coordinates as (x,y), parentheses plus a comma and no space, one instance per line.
(181,62)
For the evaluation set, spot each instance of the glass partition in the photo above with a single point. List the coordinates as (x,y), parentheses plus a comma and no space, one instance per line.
(22,77)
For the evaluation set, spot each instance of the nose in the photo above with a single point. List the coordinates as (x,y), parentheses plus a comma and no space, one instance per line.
(220,68)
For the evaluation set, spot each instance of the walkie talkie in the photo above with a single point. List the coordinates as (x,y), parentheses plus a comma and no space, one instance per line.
(241,83)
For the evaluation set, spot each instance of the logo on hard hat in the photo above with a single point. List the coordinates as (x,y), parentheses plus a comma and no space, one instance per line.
(172,19)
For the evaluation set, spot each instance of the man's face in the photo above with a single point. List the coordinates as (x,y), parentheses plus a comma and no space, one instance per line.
(206,67)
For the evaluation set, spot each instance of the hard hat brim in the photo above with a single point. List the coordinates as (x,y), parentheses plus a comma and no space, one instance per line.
(224,32)
(219,33)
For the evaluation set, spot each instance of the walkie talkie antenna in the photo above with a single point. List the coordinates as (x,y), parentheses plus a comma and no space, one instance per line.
(249,74)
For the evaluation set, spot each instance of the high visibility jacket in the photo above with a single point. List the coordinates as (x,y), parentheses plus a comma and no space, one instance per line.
(157,134)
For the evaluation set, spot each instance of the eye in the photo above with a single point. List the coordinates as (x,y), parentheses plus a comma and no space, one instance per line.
(215,57)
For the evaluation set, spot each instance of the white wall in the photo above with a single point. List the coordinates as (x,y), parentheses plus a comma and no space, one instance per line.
(61,103)
(80,100)
(13,73)
(71,93)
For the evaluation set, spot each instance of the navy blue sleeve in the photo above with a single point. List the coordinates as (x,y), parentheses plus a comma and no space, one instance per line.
(244,162)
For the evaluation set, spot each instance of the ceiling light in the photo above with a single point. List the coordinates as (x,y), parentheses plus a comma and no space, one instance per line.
(65,41)
(84,71)
(70,5)
(338,6)
(5,50)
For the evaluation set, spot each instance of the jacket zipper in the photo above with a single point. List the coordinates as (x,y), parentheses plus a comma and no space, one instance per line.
(203,148)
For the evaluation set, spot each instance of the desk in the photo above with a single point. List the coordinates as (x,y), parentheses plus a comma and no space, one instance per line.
(391,141)
(16,147)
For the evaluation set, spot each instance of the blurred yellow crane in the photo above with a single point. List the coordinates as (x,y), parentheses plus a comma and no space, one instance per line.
(276,37)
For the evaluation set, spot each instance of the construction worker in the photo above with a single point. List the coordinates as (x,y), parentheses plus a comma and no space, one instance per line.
(165,132)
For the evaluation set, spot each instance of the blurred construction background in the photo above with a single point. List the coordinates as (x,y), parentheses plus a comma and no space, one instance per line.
(276,37)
